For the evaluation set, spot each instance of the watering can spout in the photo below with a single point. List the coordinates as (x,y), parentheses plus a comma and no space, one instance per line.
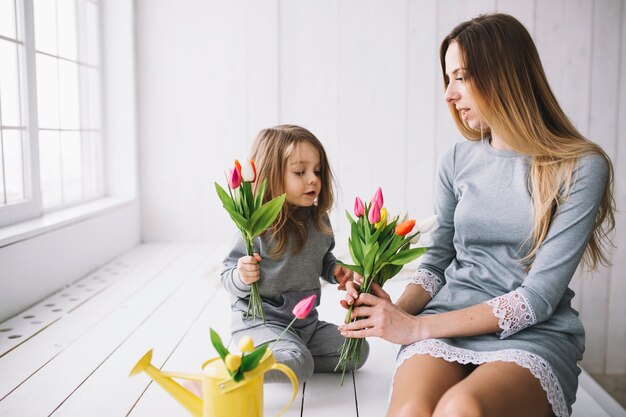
(191,402)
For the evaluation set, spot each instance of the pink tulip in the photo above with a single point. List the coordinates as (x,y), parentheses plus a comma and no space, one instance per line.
(304,306)
(378,196)
(374,214)
(359,208)
(234,178)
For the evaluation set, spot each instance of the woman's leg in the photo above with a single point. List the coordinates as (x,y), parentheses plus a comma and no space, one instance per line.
(420,382)
(496,389)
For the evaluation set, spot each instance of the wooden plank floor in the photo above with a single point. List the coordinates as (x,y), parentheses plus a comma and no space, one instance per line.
(70,355)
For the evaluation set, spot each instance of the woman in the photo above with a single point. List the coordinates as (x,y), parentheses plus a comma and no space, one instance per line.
(486,324)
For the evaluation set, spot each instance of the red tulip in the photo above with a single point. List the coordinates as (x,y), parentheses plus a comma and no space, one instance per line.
(234,178)
(378,196)
(374,214)
(304,306)
(359,208)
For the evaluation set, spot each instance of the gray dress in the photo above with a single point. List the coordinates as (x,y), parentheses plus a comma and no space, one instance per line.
(484,214)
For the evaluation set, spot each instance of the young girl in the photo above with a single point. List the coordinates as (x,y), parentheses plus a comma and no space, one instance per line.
(487,324)
(291,256)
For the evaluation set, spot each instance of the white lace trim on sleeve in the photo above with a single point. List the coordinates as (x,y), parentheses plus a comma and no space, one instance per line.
(429,281)
(513,311)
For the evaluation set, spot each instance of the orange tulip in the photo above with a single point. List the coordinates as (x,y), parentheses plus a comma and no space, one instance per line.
(253,169)
(405,227)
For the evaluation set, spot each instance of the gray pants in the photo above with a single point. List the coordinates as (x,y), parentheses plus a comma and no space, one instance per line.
(309,349)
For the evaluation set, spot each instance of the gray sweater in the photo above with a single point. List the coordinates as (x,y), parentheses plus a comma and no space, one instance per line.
(285,280)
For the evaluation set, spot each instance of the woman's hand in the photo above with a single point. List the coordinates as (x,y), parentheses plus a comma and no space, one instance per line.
(248,268)
(379,317)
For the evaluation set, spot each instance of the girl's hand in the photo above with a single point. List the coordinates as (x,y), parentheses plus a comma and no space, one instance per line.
(381,318)
(342,275)
(248,268)
(352,292)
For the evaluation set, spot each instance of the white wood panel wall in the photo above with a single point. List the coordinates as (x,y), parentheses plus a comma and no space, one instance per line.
(364,77)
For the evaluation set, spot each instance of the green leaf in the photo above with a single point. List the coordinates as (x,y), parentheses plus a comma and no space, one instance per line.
(349,216)
(227,201)
(265,216)
(233,209)
(218,345)
(249,197)
(368,260)
(260,194)
(241,222)
(396,244)
(386,273)
(356,251)
(406,256)
(356,268)
(251,361)
(373,238)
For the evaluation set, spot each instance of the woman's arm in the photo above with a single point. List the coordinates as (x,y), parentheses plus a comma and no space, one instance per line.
(413,299)
(381,318)
(539,294)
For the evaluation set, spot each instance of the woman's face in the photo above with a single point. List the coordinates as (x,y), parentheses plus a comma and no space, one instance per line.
(457,92)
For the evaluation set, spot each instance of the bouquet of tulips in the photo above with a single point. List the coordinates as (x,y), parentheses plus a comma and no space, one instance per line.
(252,216)
(249,358)
(379,249)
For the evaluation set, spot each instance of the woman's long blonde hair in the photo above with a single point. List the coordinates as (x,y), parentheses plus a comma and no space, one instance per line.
(504,73)
(270,152)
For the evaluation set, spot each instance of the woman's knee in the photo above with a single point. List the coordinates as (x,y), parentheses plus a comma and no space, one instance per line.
(457,403)
(410,408)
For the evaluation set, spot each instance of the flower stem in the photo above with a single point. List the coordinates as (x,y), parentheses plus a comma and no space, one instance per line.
(283,333)
(255,304)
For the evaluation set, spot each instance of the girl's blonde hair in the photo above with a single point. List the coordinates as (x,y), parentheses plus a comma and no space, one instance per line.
(270,152)
(503,71)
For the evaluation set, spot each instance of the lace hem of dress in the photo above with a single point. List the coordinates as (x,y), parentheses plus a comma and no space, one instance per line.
(513,311)
(429,281)
(538,366)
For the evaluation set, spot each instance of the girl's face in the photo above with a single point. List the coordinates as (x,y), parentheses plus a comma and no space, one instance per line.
(457,92)
(302,176)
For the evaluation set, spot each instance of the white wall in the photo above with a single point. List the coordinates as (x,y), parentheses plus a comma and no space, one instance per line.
(363,75)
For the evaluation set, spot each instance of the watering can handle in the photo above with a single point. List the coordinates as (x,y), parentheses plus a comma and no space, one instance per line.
(294,382)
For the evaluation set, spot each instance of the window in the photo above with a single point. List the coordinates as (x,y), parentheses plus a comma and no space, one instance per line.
(50,106)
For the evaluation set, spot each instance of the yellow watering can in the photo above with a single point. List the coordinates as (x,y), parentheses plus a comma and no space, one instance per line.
(221,395)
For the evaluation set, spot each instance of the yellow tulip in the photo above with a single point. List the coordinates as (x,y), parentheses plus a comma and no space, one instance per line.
(246,344)
(232,361)
(383,218)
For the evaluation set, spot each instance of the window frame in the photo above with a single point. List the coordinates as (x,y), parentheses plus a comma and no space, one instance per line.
(31,207)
